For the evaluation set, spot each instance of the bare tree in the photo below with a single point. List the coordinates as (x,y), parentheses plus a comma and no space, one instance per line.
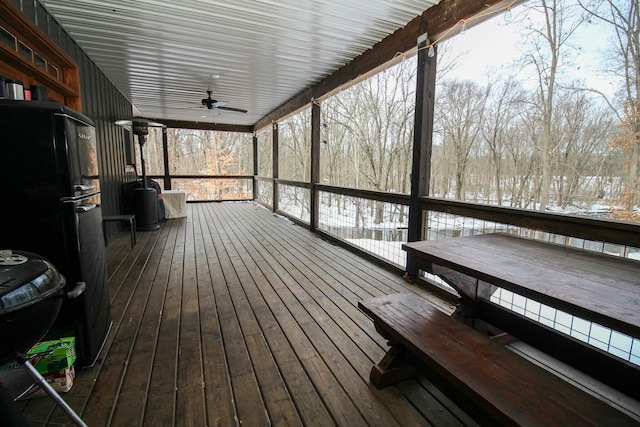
(294,143)
(265,153)
(460,110)
(507,101)
(586,129)
(368,130)
(546,50)
(624,17)
(520,162)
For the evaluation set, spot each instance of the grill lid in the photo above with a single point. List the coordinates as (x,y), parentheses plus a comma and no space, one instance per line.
(26,279)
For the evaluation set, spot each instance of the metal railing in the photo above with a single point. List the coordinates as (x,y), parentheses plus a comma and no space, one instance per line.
(376,225)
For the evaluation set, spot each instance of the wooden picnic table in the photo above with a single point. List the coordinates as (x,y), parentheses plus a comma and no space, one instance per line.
(601,288)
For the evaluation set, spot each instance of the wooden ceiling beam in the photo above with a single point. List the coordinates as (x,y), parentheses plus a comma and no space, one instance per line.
(185,124)
(435,21)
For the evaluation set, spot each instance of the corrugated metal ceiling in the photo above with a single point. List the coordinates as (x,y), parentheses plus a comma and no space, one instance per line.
(163,55)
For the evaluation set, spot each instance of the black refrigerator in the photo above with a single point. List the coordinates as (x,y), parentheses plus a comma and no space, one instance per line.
(50,192)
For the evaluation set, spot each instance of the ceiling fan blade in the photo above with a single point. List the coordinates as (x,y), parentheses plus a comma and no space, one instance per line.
(215,105)
(237,110)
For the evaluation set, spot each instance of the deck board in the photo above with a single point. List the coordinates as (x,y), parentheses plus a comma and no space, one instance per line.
(234,316)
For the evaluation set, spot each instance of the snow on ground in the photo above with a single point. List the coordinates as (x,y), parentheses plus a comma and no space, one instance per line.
(354,222)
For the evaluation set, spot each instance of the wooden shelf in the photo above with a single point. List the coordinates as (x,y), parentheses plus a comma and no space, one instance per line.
(66,87)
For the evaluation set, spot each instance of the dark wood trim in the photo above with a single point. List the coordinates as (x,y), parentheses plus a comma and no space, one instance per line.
(422,143)
(254,144)
(185,124)
(435,21)
(401,199)
(299,184)
(275,152)
(423,127)
(264,178)
(315,163)
(624,233)
(13,59)
(609,231)
(165,153)
(300,100)
(203,176)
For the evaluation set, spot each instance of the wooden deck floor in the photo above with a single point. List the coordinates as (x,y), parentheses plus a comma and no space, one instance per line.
(234,316)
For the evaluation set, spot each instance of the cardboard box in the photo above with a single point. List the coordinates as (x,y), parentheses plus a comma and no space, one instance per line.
(53,356)
(61,381)
(49,356)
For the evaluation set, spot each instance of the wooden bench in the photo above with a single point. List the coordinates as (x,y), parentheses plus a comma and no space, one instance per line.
(490,382)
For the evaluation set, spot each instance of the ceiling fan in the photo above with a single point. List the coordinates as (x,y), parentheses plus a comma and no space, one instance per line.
(215,105)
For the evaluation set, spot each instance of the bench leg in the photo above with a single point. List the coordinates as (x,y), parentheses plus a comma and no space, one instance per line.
(392,369)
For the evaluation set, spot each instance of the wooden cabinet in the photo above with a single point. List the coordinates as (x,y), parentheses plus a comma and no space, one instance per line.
(28,55)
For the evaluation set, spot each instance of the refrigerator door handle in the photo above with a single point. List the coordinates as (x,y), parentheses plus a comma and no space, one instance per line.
(85,208)
(77,290)
(84,188)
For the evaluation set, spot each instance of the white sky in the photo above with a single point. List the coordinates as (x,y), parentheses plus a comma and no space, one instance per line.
(495,42)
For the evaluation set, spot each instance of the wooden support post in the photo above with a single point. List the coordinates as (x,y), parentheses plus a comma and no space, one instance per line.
(315,164)
(165,153)
(255,164)
(422,143)
(274,150)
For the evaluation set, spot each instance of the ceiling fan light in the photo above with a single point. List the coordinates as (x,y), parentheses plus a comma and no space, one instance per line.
(214,105)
